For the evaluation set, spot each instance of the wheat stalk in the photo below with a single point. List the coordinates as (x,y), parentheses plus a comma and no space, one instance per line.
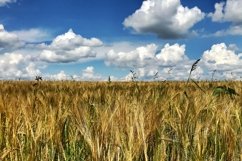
(194,66)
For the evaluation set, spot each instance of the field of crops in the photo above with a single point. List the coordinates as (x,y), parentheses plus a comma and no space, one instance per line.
(125,121)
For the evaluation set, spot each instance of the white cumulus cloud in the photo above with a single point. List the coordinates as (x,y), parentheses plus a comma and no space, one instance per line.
(228,11)
(221,57)
(139,57)
(170,62)
(89,74)
(8,40)
(22,55)
(69,47)
(147,60)
(148,55)
(165,18)
(59,76)
(16,65)
(172,54)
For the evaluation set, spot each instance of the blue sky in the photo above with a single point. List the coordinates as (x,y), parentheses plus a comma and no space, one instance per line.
(91,40)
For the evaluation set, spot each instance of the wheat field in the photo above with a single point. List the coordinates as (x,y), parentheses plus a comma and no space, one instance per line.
(119,121)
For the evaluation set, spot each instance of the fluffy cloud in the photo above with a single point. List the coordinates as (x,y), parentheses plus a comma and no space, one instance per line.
(26,60)
(59,76)
(17,59)
(124,46)
(179,72)
(89,74)
(139,57)
(13,40)
(69,47)
(144,73)
(218,13)
(172,54)
(5,2)
(8,40)
(52,56)
(70,40)
(32,70)
(32,35)
(228,11)
(221,57)
(171,62)
(165,18)
(16,39)
(148,55)
(22,56)
(16,65)
(147,60)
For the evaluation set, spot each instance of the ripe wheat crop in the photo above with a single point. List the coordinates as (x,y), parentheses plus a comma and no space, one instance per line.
(115,121)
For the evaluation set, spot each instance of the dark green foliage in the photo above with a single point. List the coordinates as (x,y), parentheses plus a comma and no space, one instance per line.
(223,90)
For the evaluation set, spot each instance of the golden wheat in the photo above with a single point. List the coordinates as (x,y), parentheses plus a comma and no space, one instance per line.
(119,121)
